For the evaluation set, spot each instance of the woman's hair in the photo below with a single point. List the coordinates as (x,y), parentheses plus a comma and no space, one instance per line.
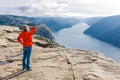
(26,28)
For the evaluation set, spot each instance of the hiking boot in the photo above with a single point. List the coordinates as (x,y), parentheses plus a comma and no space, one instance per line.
(29,69)
(23,68)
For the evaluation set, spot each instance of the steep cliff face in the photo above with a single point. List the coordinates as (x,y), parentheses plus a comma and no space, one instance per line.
(56,23)
(107,29)
(55,63)
(44,31)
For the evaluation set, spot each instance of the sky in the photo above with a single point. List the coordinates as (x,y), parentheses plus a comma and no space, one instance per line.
(60,8)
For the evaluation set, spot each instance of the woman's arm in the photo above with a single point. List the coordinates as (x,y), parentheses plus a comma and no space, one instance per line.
(33,30)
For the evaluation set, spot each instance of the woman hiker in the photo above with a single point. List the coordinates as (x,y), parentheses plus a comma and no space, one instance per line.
(25,38)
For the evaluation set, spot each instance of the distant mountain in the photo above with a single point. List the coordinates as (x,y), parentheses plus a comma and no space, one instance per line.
(48,24)
(12,20)
(53,23)
(18,21)
(56,23)
(107,29)
(92,20)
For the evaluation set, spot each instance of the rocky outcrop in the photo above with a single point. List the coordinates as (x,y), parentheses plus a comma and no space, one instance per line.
(8,34)
(44,31)
(55,63)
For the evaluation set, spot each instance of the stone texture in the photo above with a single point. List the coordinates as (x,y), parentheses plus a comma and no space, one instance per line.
(55,63)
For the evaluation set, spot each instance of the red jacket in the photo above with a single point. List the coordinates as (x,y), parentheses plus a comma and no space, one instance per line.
(25,38)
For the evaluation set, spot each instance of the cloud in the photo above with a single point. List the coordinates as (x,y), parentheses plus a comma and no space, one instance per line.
(64,8)
(42,8)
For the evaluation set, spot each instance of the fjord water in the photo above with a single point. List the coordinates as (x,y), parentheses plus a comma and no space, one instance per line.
(75,38)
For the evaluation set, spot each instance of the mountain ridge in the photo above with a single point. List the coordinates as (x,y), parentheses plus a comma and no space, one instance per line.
(19,21)
(53,23)
(107,30)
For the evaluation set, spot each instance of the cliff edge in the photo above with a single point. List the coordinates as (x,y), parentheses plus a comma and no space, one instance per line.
(56,63)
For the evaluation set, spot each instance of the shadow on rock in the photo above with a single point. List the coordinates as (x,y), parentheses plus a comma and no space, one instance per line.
(12,75)
(42,45)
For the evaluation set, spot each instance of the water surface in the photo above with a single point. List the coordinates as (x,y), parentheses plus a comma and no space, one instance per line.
(74,38)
